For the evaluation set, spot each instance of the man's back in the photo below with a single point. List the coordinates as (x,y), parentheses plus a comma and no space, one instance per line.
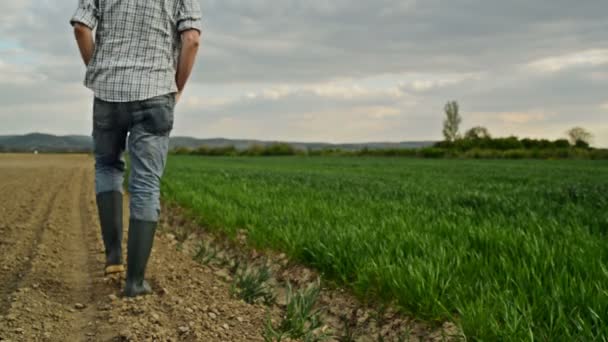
(137,45)
(138,65)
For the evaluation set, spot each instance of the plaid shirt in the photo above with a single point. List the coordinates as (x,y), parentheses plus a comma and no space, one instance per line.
(137,45)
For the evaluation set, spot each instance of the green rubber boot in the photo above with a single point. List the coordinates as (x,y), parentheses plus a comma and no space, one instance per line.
(139,246)
(109,205)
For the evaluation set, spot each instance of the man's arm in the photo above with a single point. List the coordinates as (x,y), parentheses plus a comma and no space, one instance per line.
(190,44)
(86,44)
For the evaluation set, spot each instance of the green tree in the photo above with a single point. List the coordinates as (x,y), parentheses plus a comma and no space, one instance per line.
(580,137)
(452,122)
(477,132)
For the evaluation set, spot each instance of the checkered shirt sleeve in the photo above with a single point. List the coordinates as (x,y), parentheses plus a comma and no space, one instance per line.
(189,16)
(87,13)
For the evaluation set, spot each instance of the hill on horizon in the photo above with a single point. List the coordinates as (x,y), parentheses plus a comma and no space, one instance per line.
(42,142)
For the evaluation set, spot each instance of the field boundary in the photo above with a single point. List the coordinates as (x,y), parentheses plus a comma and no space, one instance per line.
(343,313)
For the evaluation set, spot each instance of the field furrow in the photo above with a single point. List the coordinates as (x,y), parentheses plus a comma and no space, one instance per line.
(21,240)
(52,283)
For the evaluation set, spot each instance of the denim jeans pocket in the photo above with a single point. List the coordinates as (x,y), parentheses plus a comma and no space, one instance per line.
(104,116)
(157,115)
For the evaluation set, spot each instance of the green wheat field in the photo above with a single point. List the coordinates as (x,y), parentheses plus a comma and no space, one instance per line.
(509,250)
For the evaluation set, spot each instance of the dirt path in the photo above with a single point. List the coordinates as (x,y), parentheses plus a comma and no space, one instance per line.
(51,278)
(52,286)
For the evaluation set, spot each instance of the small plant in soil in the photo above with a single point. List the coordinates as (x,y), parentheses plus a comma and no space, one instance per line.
(301,320)
(251,285)
(205,253)
(182,234)
(348,331)
(234,265)
(380,317)
(404,336)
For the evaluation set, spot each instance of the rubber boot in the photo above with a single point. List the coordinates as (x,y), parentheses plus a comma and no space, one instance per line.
(109,205)
(139,246)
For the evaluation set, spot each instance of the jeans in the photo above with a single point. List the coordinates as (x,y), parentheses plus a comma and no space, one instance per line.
(147,124)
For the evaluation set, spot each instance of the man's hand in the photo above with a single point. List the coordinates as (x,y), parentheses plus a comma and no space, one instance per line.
(190,44)
(86,44)
(178,96)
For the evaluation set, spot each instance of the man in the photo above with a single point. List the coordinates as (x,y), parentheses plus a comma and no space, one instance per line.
(137,66)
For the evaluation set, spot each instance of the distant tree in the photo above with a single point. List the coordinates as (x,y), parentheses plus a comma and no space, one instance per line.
(503,144)
(545,143)
(477,132)
(561,143)
(580,137)
(582,144)
(452,122)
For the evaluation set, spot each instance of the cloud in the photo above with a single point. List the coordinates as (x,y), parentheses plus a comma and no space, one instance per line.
(329,90)
(307,40)
(522,118)
(339,70)
(304,112)
(594,57)
(430,82)
(18,75)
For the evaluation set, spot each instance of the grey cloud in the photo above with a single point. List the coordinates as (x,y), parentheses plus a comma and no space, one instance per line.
(516,90)
(252,42)
(315,40)
(355,39)
(298,102)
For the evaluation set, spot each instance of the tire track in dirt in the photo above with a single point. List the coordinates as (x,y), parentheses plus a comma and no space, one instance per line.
(86,231)
(98,286)
(21,260)
(53,300)
(82,279)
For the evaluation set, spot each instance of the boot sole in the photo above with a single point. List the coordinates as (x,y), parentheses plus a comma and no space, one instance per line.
(113,269)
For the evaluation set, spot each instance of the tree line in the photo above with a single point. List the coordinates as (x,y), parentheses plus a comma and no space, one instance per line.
(476,142)
(479,137)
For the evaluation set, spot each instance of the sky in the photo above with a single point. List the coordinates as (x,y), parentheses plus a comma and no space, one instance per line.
(338,70)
